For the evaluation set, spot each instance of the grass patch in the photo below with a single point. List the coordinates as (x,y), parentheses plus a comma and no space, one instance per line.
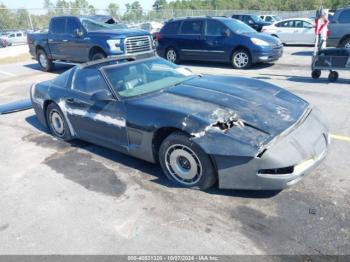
(15,59)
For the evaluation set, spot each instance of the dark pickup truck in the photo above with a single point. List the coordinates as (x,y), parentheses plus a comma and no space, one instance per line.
(74,39)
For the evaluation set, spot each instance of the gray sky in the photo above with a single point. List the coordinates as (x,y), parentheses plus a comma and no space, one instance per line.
(146,4)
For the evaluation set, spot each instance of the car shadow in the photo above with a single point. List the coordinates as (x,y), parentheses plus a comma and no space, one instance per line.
(303,53)
(147,168)
(305,79)
(224,65)
(58,69)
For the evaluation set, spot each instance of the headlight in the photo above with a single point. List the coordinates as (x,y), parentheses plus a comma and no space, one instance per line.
(114,44)
(259,42)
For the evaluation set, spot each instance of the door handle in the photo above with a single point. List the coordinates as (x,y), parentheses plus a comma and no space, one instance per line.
(50,40)
(77,102)
(65,40)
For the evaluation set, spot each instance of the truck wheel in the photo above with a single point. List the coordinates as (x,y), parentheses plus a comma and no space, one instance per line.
(346,43)
(97,56)
(185,163)
(241,59)
(44,62)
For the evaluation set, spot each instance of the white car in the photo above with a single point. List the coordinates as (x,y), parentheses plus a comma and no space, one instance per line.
(17,37)
(271,18)
(293,31)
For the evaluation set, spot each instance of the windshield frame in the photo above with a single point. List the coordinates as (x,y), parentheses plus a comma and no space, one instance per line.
(121,98)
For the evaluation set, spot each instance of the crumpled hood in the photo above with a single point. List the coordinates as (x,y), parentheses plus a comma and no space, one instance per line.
(258,104)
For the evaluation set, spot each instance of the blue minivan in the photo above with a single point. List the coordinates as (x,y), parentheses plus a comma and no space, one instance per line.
(219,39)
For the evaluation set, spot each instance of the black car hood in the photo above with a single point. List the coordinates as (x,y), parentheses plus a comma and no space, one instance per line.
(257,104)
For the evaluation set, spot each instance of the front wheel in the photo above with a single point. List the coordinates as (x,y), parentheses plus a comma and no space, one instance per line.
(241,59)
(98,56)
(44,62)
(185,163)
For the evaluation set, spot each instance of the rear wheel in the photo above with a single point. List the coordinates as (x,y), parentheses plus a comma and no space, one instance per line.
(185,163)
(44,62)
(241,59)
(57,122)
(346,43)
(172,56)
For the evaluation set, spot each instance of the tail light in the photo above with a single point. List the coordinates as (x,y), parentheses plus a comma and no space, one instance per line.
(158,36)
(29,40)
(328,33)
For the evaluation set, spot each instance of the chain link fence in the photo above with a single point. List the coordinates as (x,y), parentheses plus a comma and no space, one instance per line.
(38,19)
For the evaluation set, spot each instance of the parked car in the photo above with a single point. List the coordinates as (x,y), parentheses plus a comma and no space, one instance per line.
(271,18)
(79,39)
(3,43)
(339,29)
(293,31)
(200,128)
(218,39)
(253,21)
(18,37)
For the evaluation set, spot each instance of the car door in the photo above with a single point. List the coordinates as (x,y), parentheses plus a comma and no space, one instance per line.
(190,39)
(307,33)
(285,31)
(343,27)
(76,47)
(56,37)
(99,122)
(216,40)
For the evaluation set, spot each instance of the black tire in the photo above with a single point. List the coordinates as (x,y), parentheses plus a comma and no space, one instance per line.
(241,59)
(97,56)
(345,43)
(333,76)
(172,55)
(52,112)
(178,152)
(44,62)
(316,74)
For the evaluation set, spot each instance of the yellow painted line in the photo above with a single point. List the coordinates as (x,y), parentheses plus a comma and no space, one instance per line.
(343,138)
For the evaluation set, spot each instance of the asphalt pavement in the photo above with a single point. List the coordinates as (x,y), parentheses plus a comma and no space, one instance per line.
(78,198)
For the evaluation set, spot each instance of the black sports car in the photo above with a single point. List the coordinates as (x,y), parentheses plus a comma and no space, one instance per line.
(246,133)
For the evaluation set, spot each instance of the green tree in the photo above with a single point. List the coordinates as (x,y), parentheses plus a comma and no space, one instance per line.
(113,9)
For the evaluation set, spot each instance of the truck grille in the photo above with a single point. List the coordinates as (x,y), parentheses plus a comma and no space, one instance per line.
(137,44)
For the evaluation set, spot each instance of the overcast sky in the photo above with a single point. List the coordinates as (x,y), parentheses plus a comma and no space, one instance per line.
(146,4)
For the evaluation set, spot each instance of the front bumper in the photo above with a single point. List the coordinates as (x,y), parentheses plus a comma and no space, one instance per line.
(303,148)
(268,55)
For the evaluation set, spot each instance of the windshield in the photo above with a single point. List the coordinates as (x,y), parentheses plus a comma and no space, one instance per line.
(238,27)
(143,77)
(92,25)
(256,18)
(277,18)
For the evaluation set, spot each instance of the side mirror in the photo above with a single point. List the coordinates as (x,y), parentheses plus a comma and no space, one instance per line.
(78,33)
(225,33)
(102,95)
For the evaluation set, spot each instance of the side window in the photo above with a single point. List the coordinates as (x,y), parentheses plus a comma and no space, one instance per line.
(286,24)
(215,28)
(192,27)
(19,34)
(62,79)
(344,17)
(72,24)
(11,35)
(268,19)
(58,25)
(89,81)
(298,24)
(171,28)
(307,25)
